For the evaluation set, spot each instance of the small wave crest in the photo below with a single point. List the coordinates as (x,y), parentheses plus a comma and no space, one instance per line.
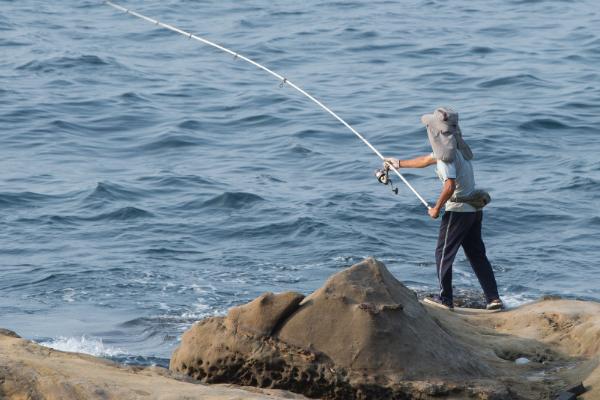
(481,50)
(540,124)
(171,141)
(111,191)
(301,150)
(20,199)
(521,80)
(60,63)
(125,213)
(84,344)
(258,120)
(300,227)
(233,200)
(583,183)
(121,214)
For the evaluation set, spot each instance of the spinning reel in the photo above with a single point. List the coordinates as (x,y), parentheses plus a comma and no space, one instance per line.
(383,176)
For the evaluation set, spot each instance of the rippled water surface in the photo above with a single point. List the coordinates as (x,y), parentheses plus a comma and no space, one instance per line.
(148,180)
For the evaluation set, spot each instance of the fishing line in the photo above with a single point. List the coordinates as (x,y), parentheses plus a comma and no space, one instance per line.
(283,81)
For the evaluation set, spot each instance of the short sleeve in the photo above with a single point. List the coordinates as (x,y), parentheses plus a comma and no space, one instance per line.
(446,170)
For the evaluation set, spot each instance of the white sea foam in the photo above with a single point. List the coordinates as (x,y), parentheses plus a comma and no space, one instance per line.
(69,295)
(199,311)
(84,344)
(515,300)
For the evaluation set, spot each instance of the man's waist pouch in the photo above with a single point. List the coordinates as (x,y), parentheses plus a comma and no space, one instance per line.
(478,199)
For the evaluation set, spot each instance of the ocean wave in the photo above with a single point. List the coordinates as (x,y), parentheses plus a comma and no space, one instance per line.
(171,251)
(25,199)
(110,191)
(83,344)
(541,124)
(299,227)
(381,48)
(13,43)
(133,97)
(583,183)
(481,50)
(66,126)
(6,26)
(190,124)
(520,80)
(136,360)
(61,63)
(59,83)
(301,150)
(311,133)
(146,328)
(233,200)
(182,182)
(580,104)
(172,141)
(48,278)
(269,178)
(258,120)
(121,214)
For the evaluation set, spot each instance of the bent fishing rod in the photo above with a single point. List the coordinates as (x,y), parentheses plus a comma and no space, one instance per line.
(283,81)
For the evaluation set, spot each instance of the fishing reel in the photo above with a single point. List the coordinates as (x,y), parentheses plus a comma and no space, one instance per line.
(383,176)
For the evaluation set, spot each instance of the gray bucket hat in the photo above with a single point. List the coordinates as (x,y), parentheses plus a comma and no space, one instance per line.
(445,135)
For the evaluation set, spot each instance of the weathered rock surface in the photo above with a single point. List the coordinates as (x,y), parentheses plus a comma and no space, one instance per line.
(364,335)
(365,319)
(261,316)
(31,372)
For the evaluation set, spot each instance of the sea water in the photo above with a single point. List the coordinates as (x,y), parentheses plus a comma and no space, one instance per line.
(148,181)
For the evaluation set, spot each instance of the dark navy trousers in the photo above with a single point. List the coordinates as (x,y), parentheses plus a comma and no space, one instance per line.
(463,229)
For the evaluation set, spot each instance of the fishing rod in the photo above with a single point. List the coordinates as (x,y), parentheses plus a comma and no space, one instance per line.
(283,81)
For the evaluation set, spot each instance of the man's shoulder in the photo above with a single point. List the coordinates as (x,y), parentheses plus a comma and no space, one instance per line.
(447,170)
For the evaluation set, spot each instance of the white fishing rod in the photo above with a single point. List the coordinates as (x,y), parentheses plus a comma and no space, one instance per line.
(283,80)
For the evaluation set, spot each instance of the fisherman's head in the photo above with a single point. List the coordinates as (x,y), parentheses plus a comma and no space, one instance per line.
(444,134)
(443,119)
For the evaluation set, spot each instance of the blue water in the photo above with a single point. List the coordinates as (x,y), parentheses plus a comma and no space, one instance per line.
(148,181)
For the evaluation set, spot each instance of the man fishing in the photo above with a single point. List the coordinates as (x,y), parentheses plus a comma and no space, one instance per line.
(461,222)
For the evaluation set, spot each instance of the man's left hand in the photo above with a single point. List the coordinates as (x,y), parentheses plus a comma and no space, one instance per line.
(434,212)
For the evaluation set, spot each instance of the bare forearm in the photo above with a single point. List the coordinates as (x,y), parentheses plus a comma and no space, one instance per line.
(418,162)
(446,194)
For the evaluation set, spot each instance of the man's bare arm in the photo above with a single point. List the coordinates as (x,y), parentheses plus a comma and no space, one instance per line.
(418,162)
(447,192)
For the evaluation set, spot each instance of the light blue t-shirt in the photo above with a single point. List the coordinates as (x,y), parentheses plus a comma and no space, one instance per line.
(462,171)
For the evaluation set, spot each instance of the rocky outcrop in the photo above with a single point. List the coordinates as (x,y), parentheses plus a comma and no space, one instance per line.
(30,371)
(261,316)
(362,335)
(365,320)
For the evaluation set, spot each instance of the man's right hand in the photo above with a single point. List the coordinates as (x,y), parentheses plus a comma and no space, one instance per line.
(394,162)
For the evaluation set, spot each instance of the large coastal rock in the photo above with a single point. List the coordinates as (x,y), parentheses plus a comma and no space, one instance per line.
(365,320)
(364,335)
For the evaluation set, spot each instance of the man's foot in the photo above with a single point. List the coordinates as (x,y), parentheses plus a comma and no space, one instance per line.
(437,301)
(495,305)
